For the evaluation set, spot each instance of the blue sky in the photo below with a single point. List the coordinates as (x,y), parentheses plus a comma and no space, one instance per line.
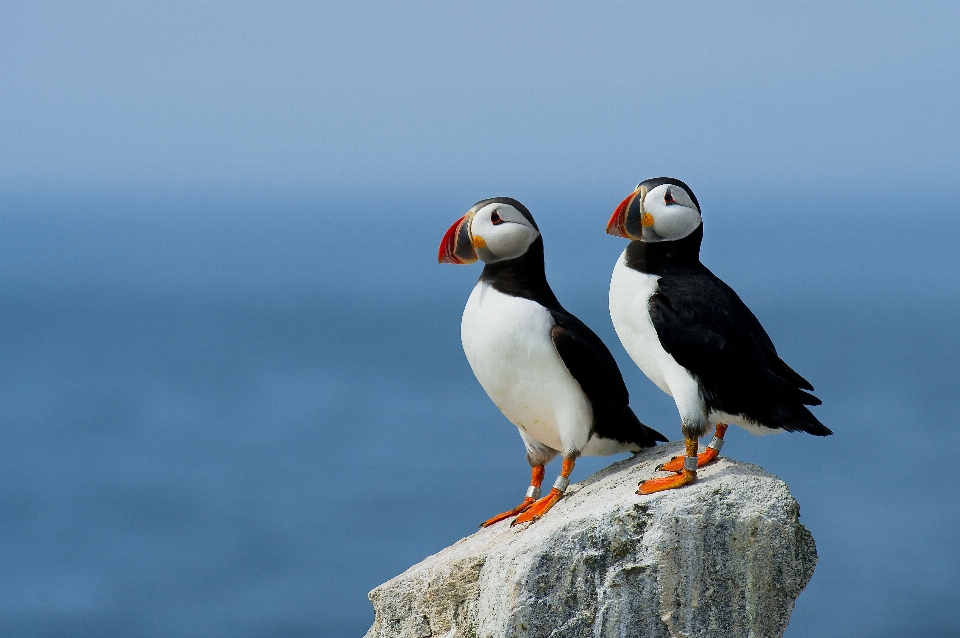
(355,99)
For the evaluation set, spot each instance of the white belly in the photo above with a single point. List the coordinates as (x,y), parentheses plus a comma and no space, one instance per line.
(630,293)
(507,342)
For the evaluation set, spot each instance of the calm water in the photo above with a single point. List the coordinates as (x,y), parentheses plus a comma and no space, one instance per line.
(228,417)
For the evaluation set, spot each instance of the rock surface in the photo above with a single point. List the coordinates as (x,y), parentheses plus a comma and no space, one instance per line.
(725,556)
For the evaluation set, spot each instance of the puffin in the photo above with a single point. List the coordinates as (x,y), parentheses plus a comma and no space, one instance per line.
(692,335)
(547,372)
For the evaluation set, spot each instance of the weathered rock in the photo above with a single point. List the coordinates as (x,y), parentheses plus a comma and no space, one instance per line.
(726,556)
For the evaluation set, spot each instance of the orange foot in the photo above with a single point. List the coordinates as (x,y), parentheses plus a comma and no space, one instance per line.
(676,463)
(539,508)
(522,507)
(667,483)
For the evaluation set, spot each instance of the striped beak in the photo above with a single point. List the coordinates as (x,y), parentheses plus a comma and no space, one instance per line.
(629,219)
(457,245)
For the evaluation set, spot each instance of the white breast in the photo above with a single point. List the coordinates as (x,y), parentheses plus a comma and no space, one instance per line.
(507,342)
(630,293)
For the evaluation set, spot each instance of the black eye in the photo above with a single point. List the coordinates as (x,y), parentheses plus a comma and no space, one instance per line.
(668,198)
(495,219)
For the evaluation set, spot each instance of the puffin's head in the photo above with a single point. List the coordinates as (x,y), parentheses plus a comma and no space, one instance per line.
(492,230)
(659,209)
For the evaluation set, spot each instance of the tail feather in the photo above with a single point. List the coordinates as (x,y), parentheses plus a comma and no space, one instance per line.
(618,422)
(798,417)
(788,374)
(651,434)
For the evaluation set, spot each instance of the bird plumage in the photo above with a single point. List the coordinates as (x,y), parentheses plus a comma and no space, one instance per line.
(510,337)
(692,335)
(708,330)
(548,373)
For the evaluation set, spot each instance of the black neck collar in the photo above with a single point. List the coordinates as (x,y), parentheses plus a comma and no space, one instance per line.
(654,257)
(523,276)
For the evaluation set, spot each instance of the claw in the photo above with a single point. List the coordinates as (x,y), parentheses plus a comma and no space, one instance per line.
(536,478)
(678,460)
(676,463)
(708,455)
(667,483)
(522,507)
(539,508)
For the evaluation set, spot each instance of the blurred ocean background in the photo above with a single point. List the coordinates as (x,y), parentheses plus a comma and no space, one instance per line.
(233,396)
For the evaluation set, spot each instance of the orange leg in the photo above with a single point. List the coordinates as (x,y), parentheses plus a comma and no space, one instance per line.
(679,479)
(708,455)
(542,506)
(536,478)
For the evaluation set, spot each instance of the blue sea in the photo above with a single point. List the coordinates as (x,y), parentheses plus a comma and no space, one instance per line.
(233,416)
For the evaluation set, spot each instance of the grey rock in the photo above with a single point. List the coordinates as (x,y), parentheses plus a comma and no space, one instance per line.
(725,556)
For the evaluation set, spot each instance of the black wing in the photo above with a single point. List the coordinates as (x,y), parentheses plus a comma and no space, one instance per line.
(706,327)
(595,369)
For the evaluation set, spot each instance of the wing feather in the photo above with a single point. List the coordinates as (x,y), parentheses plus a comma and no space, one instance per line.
(597,373)
(708,329)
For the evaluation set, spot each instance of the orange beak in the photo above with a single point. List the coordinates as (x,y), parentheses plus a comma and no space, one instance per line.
(457,246)
(627,219)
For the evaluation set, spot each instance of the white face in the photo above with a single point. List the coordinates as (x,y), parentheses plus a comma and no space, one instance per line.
(669,213)
(500,232)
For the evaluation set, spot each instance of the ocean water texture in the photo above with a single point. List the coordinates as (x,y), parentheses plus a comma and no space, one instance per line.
(234,416)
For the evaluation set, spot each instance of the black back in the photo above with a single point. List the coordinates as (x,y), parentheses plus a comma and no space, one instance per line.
(708,330)
(580,349)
